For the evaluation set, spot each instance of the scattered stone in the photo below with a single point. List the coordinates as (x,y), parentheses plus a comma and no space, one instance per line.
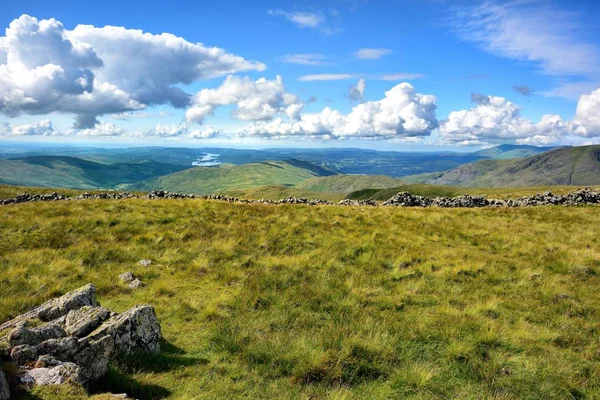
(135,284)
(83,321)
(4,390)
(145,262)
(127,277)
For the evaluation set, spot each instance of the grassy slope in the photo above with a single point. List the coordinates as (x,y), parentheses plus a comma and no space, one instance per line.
(276,192)
(295,302)
(506,151)
(567,166)
(347,183)
(71,172)
(205,180)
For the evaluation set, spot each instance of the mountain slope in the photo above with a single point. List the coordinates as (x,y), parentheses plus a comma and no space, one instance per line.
(76,173)
(206,180)
(506,151)
(564,166)
(347,183)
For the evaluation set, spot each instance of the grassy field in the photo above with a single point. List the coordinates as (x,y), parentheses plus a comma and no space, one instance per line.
(347,183)
(298,302)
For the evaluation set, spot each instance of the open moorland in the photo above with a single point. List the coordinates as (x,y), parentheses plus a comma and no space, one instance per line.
(257,301)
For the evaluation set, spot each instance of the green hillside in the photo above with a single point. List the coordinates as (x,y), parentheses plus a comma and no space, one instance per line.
(76,173)
(565,166)
(347,183)
(207,180)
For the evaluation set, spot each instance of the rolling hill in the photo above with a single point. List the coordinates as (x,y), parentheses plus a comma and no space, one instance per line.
(564,166)
(227,177)
(76,173)
(347,183)
(506,151)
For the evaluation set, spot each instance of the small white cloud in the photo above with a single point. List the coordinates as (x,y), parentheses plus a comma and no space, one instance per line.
(327,24)
(371,54)
(306,59)
(401,76)
(40,128)
(101,129)
(207,133)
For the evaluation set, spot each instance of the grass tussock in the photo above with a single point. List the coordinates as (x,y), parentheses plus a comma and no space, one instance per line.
(293,302)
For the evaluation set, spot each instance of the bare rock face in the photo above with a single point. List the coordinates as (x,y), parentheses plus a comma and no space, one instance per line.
(4,391)
(135,329)
(76,338)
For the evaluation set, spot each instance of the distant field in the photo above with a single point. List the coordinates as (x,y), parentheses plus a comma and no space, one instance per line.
(298,302)
(347,183)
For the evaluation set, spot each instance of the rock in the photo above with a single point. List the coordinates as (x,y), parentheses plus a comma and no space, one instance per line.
(4,390)
(57,375)
(55,308)
(145,262)
(126,277)
(135,329)
(93,358)
(62,349)
(23,354)
(135,284)
(83,321)
(33,336)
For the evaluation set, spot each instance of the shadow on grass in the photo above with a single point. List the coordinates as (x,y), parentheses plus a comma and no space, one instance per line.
(119,380)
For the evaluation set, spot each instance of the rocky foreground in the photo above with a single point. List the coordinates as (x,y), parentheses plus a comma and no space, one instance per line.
(578,197)
(72,339)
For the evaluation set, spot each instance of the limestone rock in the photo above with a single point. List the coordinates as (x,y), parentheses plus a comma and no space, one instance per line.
(135,329)
(4,390)
(145,262)
(126,277)
(32,336)
(23,354)
(83,321)
(57,375)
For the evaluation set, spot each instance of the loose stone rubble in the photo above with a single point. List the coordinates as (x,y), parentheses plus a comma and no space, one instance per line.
(72,339)
(578,197)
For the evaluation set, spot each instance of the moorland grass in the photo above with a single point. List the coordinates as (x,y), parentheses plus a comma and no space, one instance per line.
(298,302)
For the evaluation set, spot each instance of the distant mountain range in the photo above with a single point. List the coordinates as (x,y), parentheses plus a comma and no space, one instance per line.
(564,166)
(287,171)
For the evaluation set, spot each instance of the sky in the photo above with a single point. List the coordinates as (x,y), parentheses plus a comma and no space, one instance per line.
(390,75)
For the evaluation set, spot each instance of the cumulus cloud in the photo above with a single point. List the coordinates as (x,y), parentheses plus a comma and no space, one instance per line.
(306,59)
(255,100)
(371,54)
(401,113)
(207,133)
(100,129)
(357,92)
(497,119)
(40,128)
(90,71)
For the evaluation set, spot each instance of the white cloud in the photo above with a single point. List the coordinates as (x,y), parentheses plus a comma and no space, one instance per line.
(533,31)
(90,71)
(140,115)
(326,77)
(207,133)
(254,100)
(357,92)
(40,128)
(306,59)
(587,117)
(401,113)
(327,24)
(401,76)
(166,131)
(371,54)
(100,129)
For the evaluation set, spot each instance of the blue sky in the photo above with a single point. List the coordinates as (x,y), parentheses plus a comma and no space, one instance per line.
(446,49)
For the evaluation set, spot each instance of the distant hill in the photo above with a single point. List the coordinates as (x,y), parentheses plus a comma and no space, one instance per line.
(347,183)
(506,151)
(227,177)
(564,166)
(76,173)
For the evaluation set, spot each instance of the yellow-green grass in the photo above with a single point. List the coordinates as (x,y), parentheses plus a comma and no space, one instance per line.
(299,302)
(276,192)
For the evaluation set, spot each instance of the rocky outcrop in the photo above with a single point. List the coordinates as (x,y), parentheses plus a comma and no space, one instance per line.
(72,338)
(402,199)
